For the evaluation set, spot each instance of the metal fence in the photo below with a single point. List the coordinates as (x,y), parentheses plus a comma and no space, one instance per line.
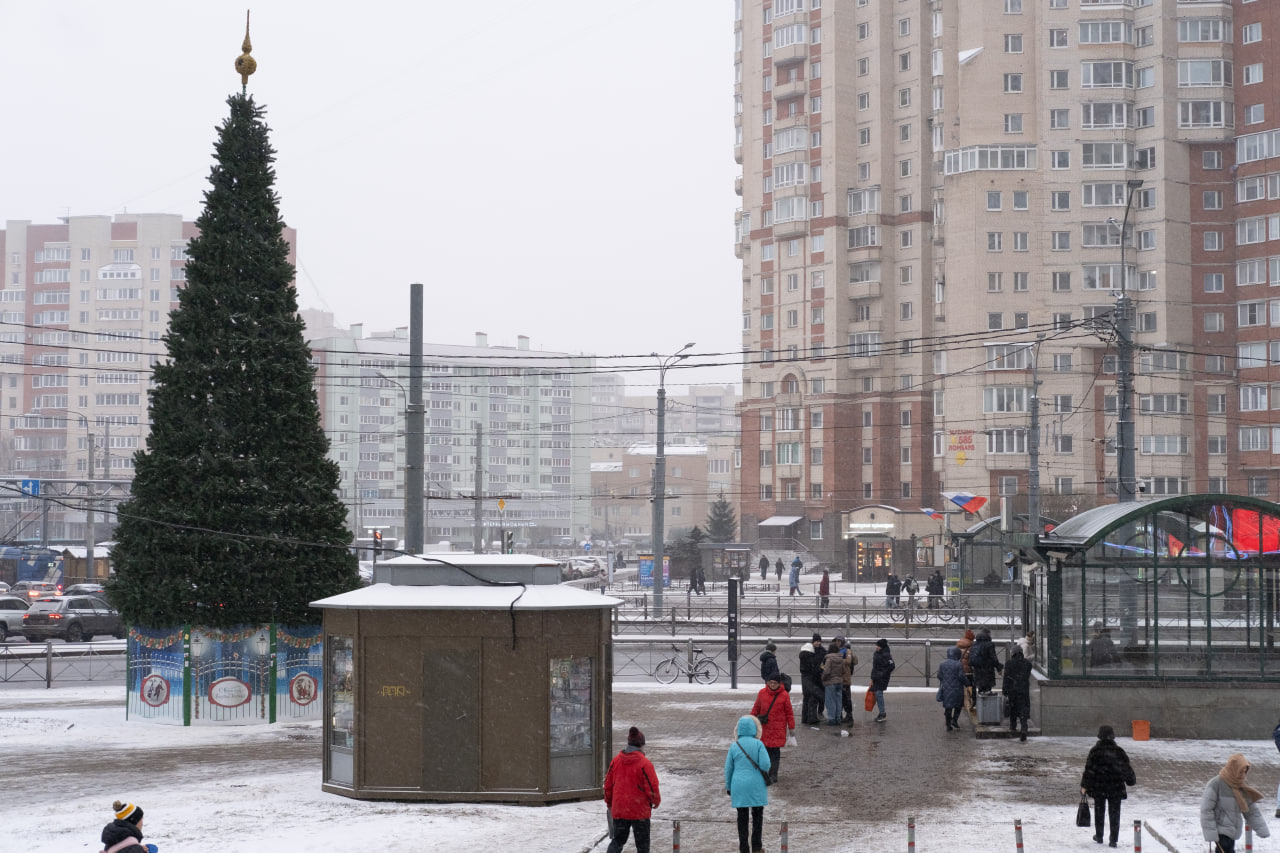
(36,663)
(636,658)
(780,615)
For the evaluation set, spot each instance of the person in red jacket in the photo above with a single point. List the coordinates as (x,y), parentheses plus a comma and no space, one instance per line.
(773,709)
(631,793)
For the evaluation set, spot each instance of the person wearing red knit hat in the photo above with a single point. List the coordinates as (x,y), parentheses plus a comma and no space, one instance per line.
(631,794)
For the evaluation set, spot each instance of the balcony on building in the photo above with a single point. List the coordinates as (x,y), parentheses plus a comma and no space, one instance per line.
(794,228)
(791,54)
(737,185)
(864,290)
(790,89)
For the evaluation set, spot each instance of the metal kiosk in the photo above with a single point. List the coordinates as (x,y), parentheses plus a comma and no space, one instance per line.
(467,678)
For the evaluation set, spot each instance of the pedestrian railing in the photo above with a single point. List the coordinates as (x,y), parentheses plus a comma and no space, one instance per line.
(46,663)
(788,616)
(917,658)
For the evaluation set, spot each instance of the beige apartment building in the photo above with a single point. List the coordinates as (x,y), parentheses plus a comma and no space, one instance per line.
(940,204)
(84,305)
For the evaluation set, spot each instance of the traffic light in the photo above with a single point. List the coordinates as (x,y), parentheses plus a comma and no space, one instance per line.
(509,542)
(377,541)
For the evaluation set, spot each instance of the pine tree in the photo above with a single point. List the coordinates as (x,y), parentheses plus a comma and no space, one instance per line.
(686,554)
(722,521)
(234,517)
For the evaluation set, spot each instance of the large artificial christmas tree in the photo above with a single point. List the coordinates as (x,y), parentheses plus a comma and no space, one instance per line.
(234,517)
(722,521)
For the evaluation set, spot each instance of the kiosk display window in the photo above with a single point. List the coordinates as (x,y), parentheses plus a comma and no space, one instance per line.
(572,683)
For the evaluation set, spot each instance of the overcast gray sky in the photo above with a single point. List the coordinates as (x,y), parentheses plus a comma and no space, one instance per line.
(561,171)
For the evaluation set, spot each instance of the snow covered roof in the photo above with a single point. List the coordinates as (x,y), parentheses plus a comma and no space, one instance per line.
(79,552)
(468,560)
(384,596)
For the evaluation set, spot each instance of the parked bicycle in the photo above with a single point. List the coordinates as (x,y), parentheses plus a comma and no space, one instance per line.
(704,670)
(953,607)
(914,607)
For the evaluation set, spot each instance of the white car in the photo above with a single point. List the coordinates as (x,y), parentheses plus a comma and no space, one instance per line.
(12,609)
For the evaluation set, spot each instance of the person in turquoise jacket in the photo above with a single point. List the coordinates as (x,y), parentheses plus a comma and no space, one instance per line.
(744,784)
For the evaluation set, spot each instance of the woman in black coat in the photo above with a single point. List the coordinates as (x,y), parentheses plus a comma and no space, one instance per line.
(1106,772)
(769,663)
(882,666)
(1017,690)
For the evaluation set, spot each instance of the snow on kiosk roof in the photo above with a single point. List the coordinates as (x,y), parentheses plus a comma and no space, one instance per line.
(385,596)
(468,582)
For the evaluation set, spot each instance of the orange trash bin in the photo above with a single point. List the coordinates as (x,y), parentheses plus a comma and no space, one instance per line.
(1141,730)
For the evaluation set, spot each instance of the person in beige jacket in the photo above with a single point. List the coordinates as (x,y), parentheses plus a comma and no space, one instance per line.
(846,688)
(835,667)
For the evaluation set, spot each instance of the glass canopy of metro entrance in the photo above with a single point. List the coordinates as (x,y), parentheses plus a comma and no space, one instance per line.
(1178,588)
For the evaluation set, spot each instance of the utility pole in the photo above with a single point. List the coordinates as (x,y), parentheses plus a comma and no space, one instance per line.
(477,540)
(415,437)
(1033,444)
(88,527)
(1126,484)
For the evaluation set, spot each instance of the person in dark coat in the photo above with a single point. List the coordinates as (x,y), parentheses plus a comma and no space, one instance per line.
(984,661)
(1106,772)
(882,666)
(769,663)
(934,586)
(778,567)
(1102,649)
(892,587)
(631,793)
(124,834)
(811,691)
(773,709)
(824,591)
(1017,690)
(951,686)
(764,567)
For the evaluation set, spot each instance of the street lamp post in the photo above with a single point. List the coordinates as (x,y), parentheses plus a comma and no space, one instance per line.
(660,474)
(1126,485)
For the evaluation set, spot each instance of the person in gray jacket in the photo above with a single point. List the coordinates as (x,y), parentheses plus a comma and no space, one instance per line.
(1228,802)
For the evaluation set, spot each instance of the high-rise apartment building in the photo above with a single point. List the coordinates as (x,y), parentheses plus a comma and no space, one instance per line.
(940,204)
(83,308)
(528,409)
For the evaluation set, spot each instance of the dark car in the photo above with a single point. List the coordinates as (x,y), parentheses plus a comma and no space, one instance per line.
(12,608)
(73,618)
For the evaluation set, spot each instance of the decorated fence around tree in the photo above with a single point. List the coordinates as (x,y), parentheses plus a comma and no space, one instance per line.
(197,675)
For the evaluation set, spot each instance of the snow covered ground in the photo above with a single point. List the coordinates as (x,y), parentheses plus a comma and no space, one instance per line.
(67,753)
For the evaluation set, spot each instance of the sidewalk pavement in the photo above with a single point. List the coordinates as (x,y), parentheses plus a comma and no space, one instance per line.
(858,793)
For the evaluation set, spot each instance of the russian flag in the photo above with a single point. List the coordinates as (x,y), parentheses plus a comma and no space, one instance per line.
(932,513)
(966,501)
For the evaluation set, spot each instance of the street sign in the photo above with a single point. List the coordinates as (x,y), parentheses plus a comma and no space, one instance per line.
(502,505)
(586,546)
(31,487)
